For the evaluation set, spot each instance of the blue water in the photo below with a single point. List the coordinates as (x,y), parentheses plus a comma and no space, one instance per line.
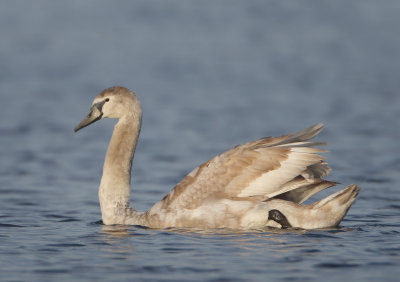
(210,75)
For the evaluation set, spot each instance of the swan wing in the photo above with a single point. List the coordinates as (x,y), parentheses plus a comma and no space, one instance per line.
(254,171)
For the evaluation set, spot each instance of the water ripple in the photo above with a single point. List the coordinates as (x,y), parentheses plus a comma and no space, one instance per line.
(337,265)
(210,76)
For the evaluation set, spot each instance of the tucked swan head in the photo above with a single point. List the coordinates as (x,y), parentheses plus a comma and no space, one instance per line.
(113,102)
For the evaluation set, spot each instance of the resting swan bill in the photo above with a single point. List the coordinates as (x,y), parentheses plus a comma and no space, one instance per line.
(256,185)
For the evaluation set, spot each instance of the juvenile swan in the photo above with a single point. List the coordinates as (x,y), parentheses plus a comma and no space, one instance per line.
(258,184)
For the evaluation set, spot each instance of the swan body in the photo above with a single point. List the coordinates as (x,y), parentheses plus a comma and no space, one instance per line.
(254,185)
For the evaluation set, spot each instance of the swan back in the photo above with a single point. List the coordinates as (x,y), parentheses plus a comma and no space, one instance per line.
(254,171)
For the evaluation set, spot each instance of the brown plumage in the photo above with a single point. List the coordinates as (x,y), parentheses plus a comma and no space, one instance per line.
(236,189)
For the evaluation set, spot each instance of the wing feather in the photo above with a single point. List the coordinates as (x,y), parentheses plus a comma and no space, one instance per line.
(261,169)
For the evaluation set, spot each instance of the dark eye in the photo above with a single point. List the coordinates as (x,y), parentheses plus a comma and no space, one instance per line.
(108,99)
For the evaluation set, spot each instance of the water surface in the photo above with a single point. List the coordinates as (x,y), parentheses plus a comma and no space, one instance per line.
(210,75)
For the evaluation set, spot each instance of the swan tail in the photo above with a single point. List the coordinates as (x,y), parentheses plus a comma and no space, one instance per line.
(325,213)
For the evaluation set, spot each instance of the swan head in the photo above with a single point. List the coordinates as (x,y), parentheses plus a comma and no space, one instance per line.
(113,102)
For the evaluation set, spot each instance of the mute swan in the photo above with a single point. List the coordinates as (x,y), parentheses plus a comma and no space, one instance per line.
(258,184)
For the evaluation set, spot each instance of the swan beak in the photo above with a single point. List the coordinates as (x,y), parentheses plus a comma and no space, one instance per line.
(94,115)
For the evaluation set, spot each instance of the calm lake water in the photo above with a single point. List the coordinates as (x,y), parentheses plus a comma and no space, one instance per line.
(210,75)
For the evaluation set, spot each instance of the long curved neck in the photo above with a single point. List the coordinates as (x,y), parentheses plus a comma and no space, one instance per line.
(120,152)
(114,188)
